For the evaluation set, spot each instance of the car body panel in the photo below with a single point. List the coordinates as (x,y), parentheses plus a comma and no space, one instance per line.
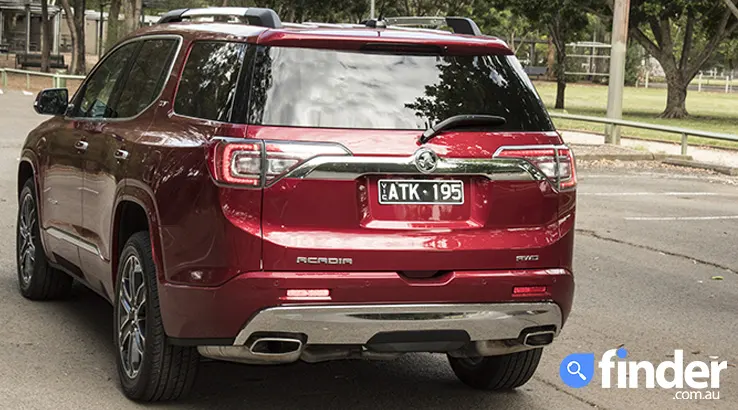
(223,252)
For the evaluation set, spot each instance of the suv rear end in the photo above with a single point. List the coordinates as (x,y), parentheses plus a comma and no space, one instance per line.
(375,241)
(318,192)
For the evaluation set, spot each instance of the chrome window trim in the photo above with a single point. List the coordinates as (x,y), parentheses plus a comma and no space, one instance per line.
(176,37)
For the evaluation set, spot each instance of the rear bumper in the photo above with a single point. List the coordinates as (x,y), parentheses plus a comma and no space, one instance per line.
(220,315)
(315,333)
(357,325)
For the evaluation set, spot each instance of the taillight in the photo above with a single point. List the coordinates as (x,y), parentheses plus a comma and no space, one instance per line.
(557,163)
(258,163)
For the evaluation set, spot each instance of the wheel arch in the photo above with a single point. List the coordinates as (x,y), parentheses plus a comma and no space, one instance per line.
(135,210)
(26,170)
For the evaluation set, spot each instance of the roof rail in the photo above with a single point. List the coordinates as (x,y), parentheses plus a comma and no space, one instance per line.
(254,16)
(460,25)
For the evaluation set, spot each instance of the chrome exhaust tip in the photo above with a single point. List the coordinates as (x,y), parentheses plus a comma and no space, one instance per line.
(263,350)
(275,346)
(538,339)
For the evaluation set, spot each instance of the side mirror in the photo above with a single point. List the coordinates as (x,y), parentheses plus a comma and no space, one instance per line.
(52,101)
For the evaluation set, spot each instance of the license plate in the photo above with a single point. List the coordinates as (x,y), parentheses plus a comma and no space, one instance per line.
(395,191)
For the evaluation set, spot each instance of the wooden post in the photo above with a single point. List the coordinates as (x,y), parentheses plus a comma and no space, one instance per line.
(621,14)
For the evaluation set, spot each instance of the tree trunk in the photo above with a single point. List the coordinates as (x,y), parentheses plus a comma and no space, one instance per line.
(132,11)
(113,25)
(137,9)
(560,76)
(79,46)
(46,36)
(550,60)
(676,97)
(679,74)
(69,17)
(560,92)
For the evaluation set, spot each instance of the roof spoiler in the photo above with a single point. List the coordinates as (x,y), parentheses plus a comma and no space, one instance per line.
(460,25)
(254,16)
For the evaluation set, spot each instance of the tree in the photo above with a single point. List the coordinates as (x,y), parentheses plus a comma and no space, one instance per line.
(733,8)
(46,36)
(113,31)
(563,19)
(76,22)
(132,11)
(69,17)
(79,27)
(681,35)
(729,54)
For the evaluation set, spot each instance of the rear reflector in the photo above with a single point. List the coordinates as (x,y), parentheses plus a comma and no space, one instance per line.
(528,290)
(307,294)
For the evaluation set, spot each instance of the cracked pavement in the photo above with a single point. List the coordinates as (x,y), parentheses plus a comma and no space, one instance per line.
(645,284)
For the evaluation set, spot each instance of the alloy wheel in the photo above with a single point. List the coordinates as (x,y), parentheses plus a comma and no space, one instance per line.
(27,239)
(132,316)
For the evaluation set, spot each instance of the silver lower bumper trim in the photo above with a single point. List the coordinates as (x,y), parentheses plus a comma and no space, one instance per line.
(318,333)
(357,324)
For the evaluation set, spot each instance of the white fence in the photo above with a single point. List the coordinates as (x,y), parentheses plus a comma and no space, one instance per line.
(58,80)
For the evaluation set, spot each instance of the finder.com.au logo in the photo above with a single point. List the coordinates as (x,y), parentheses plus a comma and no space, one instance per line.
(703,378)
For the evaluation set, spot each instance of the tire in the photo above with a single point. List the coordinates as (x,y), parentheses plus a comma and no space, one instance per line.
(161,372)
(37,280)
(503,372)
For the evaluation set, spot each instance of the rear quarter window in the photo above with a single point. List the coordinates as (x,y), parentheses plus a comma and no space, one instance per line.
(146,76)
(207,87)
(340,89)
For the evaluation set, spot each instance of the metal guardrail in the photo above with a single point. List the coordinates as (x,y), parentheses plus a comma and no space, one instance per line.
(58,79)
(684,132)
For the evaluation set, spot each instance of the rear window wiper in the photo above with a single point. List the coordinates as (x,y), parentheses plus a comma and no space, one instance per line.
(461,121)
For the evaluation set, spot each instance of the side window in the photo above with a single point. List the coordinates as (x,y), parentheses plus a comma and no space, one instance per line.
(146,77)
(208,84)
(98,93)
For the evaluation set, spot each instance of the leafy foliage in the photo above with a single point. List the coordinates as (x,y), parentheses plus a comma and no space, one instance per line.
(682,35)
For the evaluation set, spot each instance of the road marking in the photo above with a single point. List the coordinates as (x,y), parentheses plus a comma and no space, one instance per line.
(650,193)
(680,218)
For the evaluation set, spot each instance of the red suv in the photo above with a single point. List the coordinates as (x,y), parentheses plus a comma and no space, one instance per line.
(260,192)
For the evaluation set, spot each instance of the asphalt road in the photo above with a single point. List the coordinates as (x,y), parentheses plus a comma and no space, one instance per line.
(647,247)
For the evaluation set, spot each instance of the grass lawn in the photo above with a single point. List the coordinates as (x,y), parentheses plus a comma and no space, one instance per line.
(717,112)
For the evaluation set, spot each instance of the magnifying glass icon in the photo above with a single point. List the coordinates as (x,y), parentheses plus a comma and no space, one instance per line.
(575,368)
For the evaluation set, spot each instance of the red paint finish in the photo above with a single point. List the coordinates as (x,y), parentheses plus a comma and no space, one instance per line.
(221,312)
(223,252)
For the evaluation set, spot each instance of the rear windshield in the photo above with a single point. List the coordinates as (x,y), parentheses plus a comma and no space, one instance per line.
(338,89)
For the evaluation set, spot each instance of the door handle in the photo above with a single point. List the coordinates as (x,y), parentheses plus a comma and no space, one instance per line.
(121,154)
(81,145)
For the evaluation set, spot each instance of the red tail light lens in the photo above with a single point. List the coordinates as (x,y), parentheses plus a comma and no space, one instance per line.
(557,163)
(259,163)
(241,164)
